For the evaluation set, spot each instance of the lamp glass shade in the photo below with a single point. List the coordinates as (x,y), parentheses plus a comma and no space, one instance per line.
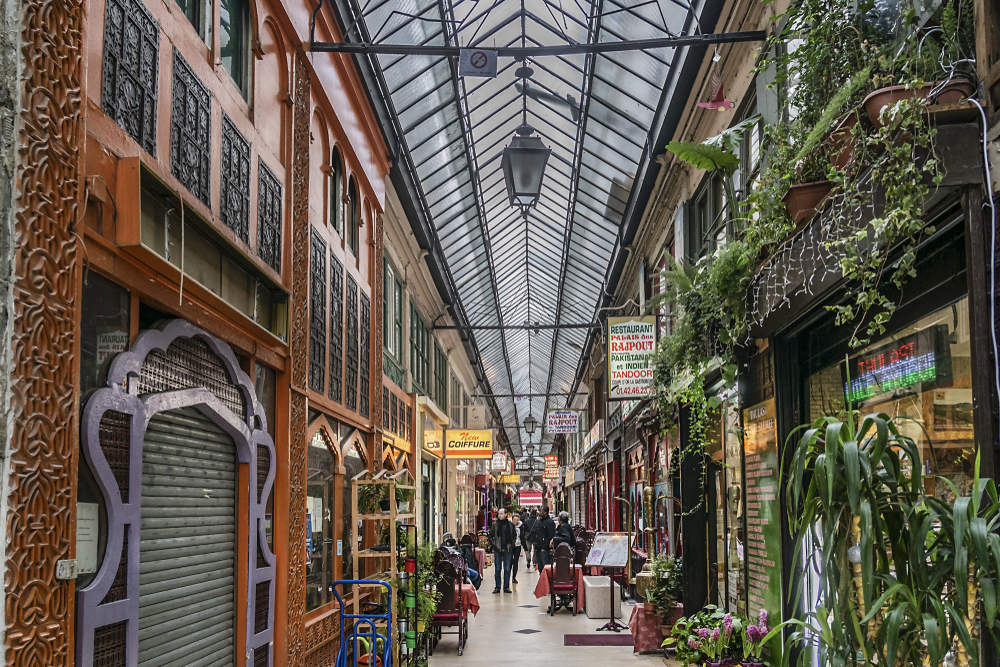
(523,166)
(530,424)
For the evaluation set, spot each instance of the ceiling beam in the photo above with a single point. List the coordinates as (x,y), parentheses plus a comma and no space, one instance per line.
(517,327)
(521,52)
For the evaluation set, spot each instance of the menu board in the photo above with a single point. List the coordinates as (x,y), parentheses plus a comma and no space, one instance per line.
(609,550)
(763,511)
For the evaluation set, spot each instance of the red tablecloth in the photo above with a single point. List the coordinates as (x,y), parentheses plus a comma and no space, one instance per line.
(481,559)
(470,599)
(646,635)
(542,587)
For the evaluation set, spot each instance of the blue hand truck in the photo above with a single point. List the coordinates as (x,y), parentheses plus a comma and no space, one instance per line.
(363,629)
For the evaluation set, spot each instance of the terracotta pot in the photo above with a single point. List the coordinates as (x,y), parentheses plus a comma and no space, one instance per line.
(953,93)
(649,607)
(803,200)
(839,145)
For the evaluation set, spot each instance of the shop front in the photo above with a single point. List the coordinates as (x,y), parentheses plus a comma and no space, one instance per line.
(430,500)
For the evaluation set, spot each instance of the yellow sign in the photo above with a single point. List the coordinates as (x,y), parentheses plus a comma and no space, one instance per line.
(469,444)
(433,438)
(510,479)
(396,442)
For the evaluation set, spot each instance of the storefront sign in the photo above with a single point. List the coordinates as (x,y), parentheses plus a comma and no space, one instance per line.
(110,343)
(595,436)
(499,462)
(510,479)
(433,438)
(562,421)
(477,416)
(763,510)
(631,343)
(551,467)
(525,497)
(469,444)
(921,357)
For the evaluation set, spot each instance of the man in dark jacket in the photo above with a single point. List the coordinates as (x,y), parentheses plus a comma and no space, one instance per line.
(502,540)
(526,525)
(541,535)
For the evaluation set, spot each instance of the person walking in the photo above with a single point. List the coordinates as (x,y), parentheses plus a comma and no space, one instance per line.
(541,535)
(502,535)
(515,555)
(526,542)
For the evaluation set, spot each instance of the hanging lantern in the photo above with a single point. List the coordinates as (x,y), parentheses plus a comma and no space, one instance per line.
(523,166)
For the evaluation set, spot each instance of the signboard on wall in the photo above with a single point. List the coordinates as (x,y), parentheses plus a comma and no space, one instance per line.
(477,416)
(763,510)
(499,462)
(562,421)
(530,498)
(510,479)
(631,343)
(433,438)
(551,467)
(468,444)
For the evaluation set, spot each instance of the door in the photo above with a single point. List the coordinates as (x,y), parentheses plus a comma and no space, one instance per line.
(187,543)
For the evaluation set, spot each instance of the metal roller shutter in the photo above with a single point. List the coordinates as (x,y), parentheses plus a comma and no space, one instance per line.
(187,543)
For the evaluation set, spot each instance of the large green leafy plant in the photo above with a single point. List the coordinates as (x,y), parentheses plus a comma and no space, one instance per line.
(900,572)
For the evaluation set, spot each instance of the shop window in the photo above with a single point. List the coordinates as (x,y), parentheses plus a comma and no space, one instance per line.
(191,244)
(234,41)
(104,327)
(440,375)
(265,386)
(392,313)
(337,192)
(353,216)
(419,351)
(351,384)
(321,548)
(923,376)
(199,13)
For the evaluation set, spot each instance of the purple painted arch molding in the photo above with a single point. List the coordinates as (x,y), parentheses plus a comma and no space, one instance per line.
(111,627)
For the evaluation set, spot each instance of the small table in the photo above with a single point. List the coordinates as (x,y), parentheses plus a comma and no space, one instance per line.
(470,599)
(645,627)
(480,555)
(542,587)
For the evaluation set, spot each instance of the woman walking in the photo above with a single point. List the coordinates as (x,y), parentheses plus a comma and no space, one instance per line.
(518,542)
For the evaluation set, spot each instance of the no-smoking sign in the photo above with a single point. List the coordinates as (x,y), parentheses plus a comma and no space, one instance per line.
(477,62)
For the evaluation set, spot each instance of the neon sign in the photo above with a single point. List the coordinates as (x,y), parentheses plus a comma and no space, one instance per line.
(922,357)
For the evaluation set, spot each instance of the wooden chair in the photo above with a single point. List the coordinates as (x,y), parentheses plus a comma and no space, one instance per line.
(562,577)
(469,539)
(580,552)
(450,612)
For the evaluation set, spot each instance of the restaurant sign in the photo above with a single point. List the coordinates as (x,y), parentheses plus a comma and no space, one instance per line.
(562,421)
(595,436)
(468,444)
(551,467)
(499,462)
(631,343)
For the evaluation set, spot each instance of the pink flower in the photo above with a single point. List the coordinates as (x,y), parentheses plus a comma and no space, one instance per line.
(715,634)
(763,618)
(704,632)
(727,624)
(694,643)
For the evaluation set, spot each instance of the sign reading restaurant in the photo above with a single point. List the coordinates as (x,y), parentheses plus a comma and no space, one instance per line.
(631,343)
(469,444)
(562,421)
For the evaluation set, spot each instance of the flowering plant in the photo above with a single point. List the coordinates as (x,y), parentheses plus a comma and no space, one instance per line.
(753,636)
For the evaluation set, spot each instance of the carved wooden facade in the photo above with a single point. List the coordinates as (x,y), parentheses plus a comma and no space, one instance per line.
(136,142)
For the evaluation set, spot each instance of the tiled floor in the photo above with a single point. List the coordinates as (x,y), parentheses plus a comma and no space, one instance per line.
(512,629)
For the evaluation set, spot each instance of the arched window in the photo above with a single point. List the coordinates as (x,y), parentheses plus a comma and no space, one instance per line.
(353,216)
(337,192)
(234,41)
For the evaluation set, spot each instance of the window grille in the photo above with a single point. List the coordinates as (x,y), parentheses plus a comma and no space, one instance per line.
(317,313)
(351,391)
(365,355)
(191,131)
(336,329)
(131,69)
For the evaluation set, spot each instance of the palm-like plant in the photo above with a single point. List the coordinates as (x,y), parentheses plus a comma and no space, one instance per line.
(900,572)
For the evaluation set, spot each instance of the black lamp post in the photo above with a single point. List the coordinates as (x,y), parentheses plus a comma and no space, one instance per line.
(523,166)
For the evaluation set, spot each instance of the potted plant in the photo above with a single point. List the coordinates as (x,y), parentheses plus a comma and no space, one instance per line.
(930,93)
(373,498)
(403,499)
(753,640)
(666,590)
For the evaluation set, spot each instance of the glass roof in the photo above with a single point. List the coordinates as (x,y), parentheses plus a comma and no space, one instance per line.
(595,111)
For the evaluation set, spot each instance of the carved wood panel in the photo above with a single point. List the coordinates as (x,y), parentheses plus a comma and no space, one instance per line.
(300,363)
(378,293)
(43,403)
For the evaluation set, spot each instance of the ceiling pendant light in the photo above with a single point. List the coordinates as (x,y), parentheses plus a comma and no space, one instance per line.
(523,164)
